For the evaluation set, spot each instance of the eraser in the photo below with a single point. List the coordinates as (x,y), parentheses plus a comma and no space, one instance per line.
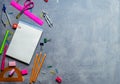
(41,44)
(24,72)
(12,63)
(11,72)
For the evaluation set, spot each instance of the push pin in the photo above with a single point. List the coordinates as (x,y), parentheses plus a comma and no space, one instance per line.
(15,25)
(58,79)
(46,40)
(41,44)
(46,1)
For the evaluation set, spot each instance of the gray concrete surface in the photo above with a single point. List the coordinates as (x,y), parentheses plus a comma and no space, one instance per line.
(85,46)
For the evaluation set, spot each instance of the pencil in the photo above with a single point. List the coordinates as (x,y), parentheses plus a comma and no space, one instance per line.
(37,67)
(33,68)
(38,62)
(43,59)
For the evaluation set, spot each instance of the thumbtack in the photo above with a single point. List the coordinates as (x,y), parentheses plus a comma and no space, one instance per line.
(41,44)
(52,72)
(15,25)
(58,79)
(49,66)
(46,1)
(56,70)
(46,40)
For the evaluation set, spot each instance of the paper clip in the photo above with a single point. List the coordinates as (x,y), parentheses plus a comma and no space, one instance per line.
(49,22)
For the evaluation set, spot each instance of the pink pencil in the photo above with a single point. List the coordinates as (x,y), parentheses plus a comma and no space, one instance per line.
(3,58)
(27,13)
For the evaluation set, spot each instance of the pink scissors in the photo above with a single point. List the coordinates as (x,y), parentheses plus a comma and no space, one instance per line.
(28,4)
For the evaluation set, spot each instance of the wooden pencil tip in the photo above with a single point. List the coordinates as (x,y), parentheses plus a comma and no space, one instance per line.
(45,54)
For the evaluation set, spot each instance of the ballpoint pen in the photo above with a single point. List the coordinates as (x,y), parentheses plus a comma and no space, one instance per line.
(4,10)
(3,23)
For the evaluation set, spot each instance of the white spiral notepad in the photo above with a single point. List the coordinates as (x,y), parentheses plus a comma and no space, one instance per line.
(24,42)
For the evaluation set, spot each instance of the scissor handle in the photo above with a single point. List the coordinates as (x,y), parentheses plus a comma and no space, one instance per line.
(28,4)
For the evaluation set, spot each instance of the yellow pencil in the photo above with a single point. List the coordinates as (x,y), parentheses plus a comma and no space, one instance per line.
(38,62)
(39,68)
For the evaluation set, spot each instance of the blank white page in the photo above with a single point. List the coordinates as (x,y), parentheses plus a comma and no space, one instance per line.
(24,42)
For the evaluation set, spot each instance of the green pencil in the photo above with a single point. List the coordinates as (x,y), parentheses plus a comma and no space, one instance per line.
(4,41)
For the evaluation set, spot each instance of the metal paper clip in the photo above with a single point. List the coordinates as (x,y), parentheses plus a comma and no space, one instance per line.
(49,22)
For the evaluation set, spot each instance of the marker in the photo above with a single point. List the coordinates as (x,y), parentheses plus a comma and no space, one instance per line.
(3,58)
(4,41)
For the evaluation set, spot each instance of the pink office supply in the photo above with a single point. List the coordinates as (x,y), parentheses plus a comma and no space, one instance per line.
(12,63)
(11,72)
(27,13)
(24,72)
(3,58)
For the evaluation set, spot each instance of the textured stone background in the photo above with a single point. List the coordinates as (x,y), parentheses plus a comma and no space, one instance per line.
(85,46)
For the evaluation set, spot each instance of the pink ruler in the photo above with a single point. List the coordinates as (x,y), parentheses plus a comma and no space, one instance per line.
(3,58)
(27,13)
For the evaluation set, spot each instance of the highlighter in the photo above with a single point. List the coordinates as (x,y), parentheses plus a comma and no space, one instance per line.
(4,41)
